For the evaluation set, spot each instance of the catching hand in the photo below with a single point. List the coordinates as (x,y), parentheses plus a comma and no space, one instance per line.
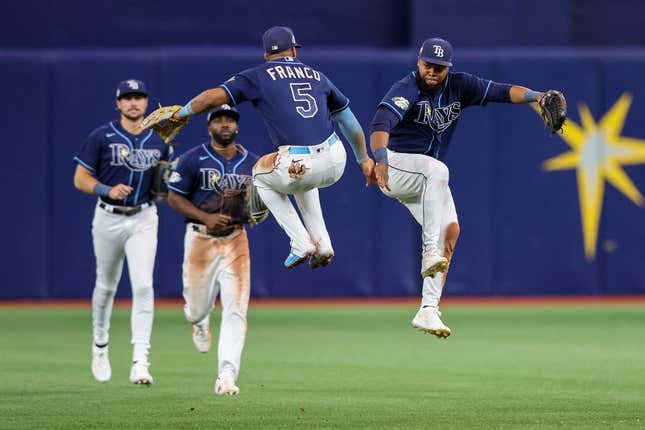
(163,122)
(381,176)
(553,108)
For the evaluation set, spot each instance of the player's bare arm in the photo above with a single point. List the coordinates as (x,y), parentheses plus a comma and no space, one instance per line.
(204,101)
(185,207)
(522,95)
(551,104)
(86,182)
(378,144)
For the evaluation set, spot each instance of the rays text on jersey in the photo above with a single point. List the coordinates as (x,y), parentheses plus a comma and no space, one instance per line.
(136,160)
(439,118)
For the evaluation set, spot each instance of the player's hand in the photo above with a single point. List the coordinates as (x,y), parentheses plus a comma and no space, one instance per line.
(216,221)
(120,192)
(381,176)
(367,167)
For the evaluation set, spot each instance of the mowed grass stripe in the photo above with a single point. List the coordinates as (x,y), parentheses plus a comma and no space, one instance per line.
(337,367)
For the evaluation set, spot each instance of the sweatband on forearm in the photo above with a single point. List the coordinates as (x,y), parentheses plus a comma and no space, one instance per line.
(531,96)
(380,155)
(351,129)
(102,190)
(187,110)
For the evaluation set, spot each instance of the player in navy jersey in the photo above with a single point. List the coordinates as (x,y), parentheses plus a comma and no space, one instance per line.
(209,187)
(115,163)
(410,133)
(299,105)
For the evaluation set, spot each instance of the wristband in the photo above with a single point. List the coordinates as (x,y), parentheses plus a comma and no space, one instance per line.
(186,110)
(102,190)
(531,96)
(380,155)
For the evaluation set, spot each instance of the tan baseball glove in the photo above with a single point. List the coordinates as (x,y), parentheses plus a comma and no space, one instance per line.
(162,122)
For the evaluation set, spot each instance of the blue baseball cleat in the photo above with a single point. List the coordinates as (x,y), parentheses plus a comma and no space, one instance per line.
(294,260)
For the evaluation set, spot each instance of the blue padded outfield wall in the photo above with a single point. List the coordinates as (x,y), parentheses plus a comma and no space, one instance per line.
(521,224)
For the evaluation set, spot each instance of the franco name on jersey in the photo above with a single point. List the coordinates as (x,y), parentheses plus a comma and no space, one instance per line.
(292,72)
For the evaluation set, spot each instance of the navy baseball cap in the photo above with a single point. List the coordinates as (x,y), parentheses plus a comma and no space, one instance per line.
(277,39)
(223,110)
(131,86)
(436,51)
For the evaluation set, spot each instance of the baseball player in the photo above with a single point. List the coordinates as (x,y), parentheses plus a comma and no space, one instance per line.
(298,104)
(208,187)
(410,133)
(115,163)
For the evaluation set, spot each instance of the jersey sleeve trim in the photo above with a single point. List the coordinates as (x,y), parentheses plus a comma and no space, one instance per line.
(82,163)
(485,92)
(230,95)
(340,109)
(392,108)
(177,190)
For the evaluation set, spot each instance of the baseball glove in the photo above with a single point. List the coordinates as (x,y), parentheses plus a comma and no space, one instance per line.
(258,211)
(160,175)
(161,121)
(553,108)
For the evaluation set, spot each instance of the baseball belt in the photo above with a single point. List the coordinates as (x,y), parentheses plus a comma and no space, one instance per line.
(124,210)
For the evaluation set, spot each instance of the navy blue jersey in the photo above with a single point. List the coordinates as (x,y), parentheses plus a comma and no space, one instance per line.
(427,121)
(115,156)
(296,101)
(213,183)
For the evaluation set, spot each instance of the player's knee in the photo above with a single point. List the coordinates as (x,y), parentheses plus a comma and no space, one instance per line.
(452,234)
(235,312)
(443,174)
(105,288)
(266,163)
(438,171)
(143,293)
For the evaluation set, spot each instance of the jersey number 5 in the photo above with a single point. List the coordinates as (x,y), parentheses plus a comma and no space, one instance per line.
(301,92)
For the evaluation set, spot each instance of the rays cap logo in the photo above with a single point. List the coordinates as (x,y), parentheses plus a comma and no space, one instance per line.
(131,86)
(224,110)
(436,51)
(278,39)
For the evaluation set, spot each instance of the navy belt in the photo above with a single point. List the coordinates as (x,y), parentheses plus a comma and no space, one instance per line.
(123,210)
(316,148)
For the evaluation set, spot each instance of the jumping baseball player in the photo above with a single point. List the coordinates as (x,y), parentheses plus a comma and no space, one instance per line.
(411,132)
(298,104)
(209,188)
(115,163)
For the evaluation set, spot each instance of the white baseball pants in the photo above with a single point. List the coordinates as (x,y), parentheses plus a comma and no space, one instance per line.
(323,165)
(115,237)
(212,265)
(420,183)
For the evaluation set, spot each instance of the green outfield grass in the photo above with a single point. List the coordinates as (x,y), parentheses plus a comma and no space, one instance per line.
(337,367)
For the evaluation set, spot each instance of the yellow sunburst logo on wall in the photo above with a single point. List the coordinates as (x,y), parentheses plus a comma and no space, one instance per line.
(598,152)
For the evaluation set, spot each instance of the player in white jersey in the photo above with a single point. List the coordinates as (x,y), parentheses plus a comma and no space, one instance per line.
(115,163)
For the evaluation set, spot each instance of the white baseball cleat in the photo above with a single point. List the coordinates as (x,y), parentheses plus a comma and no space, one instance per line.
(226,387)
(428,320)
(432,264)
(202,335)
(139,374)
(101,368)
